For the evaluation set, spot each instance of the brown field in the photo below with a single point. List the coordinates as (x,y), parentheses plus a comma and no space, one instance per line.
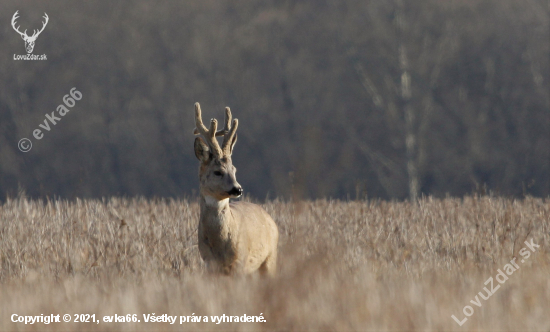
(358,265)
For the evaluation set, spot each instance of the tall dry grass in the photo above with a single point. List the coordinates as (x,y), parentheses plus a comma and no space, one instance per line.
(342,265)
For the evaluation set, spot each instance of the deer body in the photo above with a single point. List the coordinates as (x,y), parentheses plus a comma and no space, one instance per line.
(238,237)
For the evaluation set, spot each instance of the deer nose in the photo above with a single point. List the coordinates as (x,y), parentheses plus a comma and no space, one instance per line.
(236,191)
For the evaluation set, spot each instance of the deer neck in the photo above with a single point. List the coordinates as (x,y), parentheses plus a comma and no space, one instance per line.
(214,212)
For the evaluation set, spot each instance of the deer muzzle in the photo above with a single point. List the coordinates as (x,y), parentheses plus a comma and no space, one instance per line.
(235,192)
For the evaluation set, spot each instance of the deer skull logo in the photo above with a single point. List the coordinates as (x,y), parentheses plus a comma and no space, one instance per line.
(29,40)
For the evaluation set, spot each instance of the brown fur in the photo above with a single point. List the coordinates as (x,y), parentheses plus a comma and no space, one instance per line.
(238,237)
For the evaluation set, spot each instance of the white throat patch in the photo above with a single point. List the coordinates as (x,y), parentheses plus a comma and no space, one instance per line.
(212,202)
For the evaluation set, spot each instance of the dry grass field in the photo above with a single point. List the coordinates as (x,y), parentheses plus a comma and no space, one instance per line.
(357,265)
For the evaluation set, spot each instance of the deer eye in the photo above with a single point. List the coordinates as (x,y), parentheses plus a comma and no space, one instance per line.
(218,173)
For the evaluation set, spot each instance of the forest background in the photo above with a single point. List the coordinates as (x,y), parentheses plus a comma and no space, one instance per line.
(344,99)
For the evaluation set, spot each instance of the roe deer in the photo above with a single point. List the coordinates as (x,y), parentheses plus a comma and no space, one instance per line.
(237,237)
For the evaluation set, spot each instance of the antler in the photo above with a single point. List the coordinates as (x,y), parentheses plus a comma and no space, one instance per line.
(46,19)
(209,135)
(228,132)
(36,32)
(13,19)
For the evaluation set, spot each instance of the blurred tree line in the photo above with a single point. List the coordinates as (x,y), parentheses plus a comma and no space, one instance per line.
(355,98)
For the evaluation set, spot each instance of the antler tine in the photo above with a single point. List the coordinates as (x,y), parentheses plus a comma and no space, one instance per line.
(227,126)
(13,23)
(209,134)
(46,19)
(14,18)
(229,134)
(199,126)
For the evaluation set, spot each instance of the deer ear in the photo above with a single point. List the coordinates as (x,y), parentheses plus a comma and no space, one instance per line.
(202,151)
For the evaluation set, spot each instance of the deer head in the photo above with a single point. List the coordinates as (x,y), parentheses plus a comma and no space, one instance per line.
(216,172)
(29,40)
